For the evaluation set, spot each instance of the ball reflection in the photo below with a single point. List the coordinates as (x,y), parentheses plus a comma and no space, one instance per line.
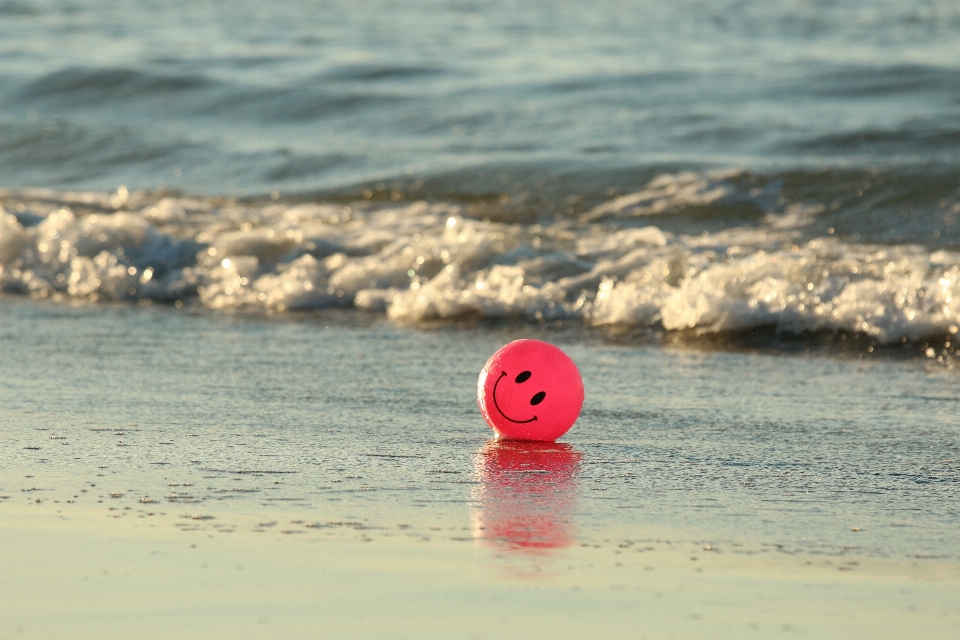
(527,495)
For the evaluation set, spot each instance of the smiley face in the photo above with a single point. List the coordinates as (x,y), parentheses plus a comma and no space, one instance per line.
(530,390)
(522,377)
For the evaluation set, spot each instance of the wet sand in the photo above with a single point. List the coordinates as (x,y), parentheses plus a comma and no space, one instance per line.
(86,576)
(165,472)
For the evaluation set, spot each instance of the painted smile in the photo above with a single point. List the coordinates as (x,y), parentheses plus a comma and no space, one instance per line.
(502,374)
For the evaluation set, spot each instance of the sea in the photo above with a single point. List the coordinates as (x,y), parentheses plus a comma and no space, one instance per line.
(254,255)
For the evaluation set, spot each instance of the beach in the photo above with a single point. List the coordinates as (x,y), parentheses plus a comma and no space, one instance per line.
(109,580)
(297,475)
(254,258)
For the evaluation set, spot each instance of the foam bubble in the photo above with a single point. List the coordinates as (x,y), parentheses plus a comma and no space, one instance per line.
(13,238)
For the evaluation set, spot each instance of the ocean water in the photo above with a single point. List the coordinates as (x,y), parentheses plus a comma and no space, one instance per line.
(228,98)
(704,169)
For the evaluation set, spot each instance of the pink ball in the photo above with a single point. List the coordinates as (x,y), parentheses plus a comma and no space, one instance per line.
(530,390)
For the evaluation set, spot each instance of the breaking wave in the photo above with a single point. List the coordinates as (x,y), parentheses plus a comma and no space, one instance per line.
(425,261)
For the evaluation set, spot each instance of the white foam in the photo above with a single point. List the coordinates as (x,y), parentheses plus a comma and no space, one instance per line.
(13,238)
(424,261)
(886,293)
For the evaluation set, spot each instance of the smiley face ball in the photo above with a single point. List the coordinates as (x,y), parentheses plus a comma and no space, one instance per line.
(530,390)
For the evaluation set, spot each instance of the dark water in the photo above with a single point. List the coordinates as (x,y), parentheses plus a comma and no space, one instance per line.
(714,167)
(240,97)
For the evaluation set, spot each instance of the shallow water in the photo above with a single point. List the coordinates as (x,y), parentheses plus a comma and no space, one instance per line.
(223,422)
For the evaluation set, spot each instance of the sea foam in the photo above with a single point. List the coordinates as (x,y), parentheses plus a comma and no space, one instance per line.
(425,261)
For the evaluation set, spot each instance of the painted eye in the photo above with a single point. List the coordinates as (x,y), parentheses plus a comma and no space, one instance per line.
(537,399)
(523,377)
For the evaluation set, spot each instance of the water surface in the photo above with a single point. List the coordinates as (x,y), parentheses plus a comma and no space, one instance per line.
(373,428)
